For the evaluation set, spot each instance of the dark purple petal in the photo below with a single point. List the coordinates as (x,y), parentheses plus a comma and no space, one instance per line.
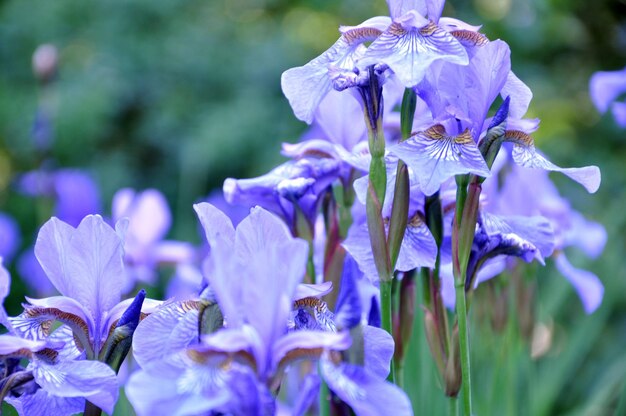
(348,308)
(42,403)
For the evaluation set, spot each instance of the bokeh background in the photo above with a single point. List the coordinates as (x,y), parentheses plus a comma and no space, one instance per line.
(180,94)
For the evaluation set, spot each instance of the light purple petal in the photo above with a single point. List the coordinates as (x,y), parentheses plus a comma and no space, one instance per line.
(52,250)
(312,290)
(619,113)
(215,223)
(9,236)
(77,195)
(587,235)
(306,86)
(366,394)
(172,393)
(309,340)
(10,344)
(410,46)
(153,338)
(95,266)
(527,156)
(605,87)
(42,403)
(258,232)
(520,95)
(589,288)
(398,8)
(418,248)
(379,347)
(92,380)
(434,157)
(358,245)
(148,211)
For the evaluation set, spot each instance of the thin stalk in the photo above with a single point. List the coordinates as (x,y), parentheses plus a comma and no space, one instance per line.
(466,385)
(324,399)
(385,306)
(453,406)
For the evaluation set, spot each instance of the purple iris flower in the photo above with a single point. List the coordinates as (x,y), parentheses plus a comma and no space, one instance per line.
(56,381)
(206,370)
(291,189)
(605,88)
(149,220)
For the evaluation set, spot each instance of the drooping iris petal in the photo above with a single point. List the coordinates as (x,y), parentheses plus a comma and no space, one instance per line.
(605,87)
(93,380)
(434,157)
(42,403)
(536,230)
(312,290)
(418,248)
(365,393)
(526,155)
(10,344)
(306,86)
(588,286)
(410,45)
(378,350)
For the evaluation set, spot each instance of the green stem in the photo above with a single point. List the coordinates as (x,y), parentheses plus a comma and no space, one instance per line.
(324,399)
(385,306)
(466,384)
(453,406)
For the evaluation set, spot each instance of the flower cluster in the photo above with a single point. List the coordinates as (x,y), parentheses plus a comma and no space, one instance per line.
(419,164)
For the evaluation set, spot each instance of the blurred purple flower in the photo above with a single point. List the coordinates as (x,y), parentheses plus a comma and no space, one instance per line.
(149,220)
(75,193)
(9,237)
(605,88)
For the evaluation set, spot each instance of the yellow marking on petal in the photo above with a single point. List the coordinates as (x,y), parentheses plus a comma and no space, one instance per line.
(429,29)
(361,34)
(300,353)
(48,355)
(464,138)
(311,302)
(519,137)
(396,29)
(416,220)
(468,36)
(436,132)
(190,305)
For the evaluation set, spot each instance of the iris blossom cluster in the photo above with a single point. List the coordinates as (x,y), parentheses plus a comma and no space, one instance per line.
(419,167)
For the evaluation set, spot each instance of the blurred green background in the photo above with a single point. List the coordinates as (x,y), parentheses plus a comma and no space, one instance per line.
(179,95)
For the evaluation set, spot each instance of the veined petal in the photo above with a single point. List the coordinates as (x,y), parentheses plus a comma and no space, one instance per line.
(153,340)
(305,86)
(10,344)
(526,155)
(358,245)
(363,392)
(51,249)
(42,403)
(589,288)
(379,347)
(434,157)
(259,231)
(92,380)
(410,45)
(167,394)
(418,248)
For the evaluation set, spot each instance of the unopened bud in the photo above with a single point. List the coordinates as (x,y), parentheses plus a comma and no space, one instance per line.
(452,374)
(45,60)
(434,341)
